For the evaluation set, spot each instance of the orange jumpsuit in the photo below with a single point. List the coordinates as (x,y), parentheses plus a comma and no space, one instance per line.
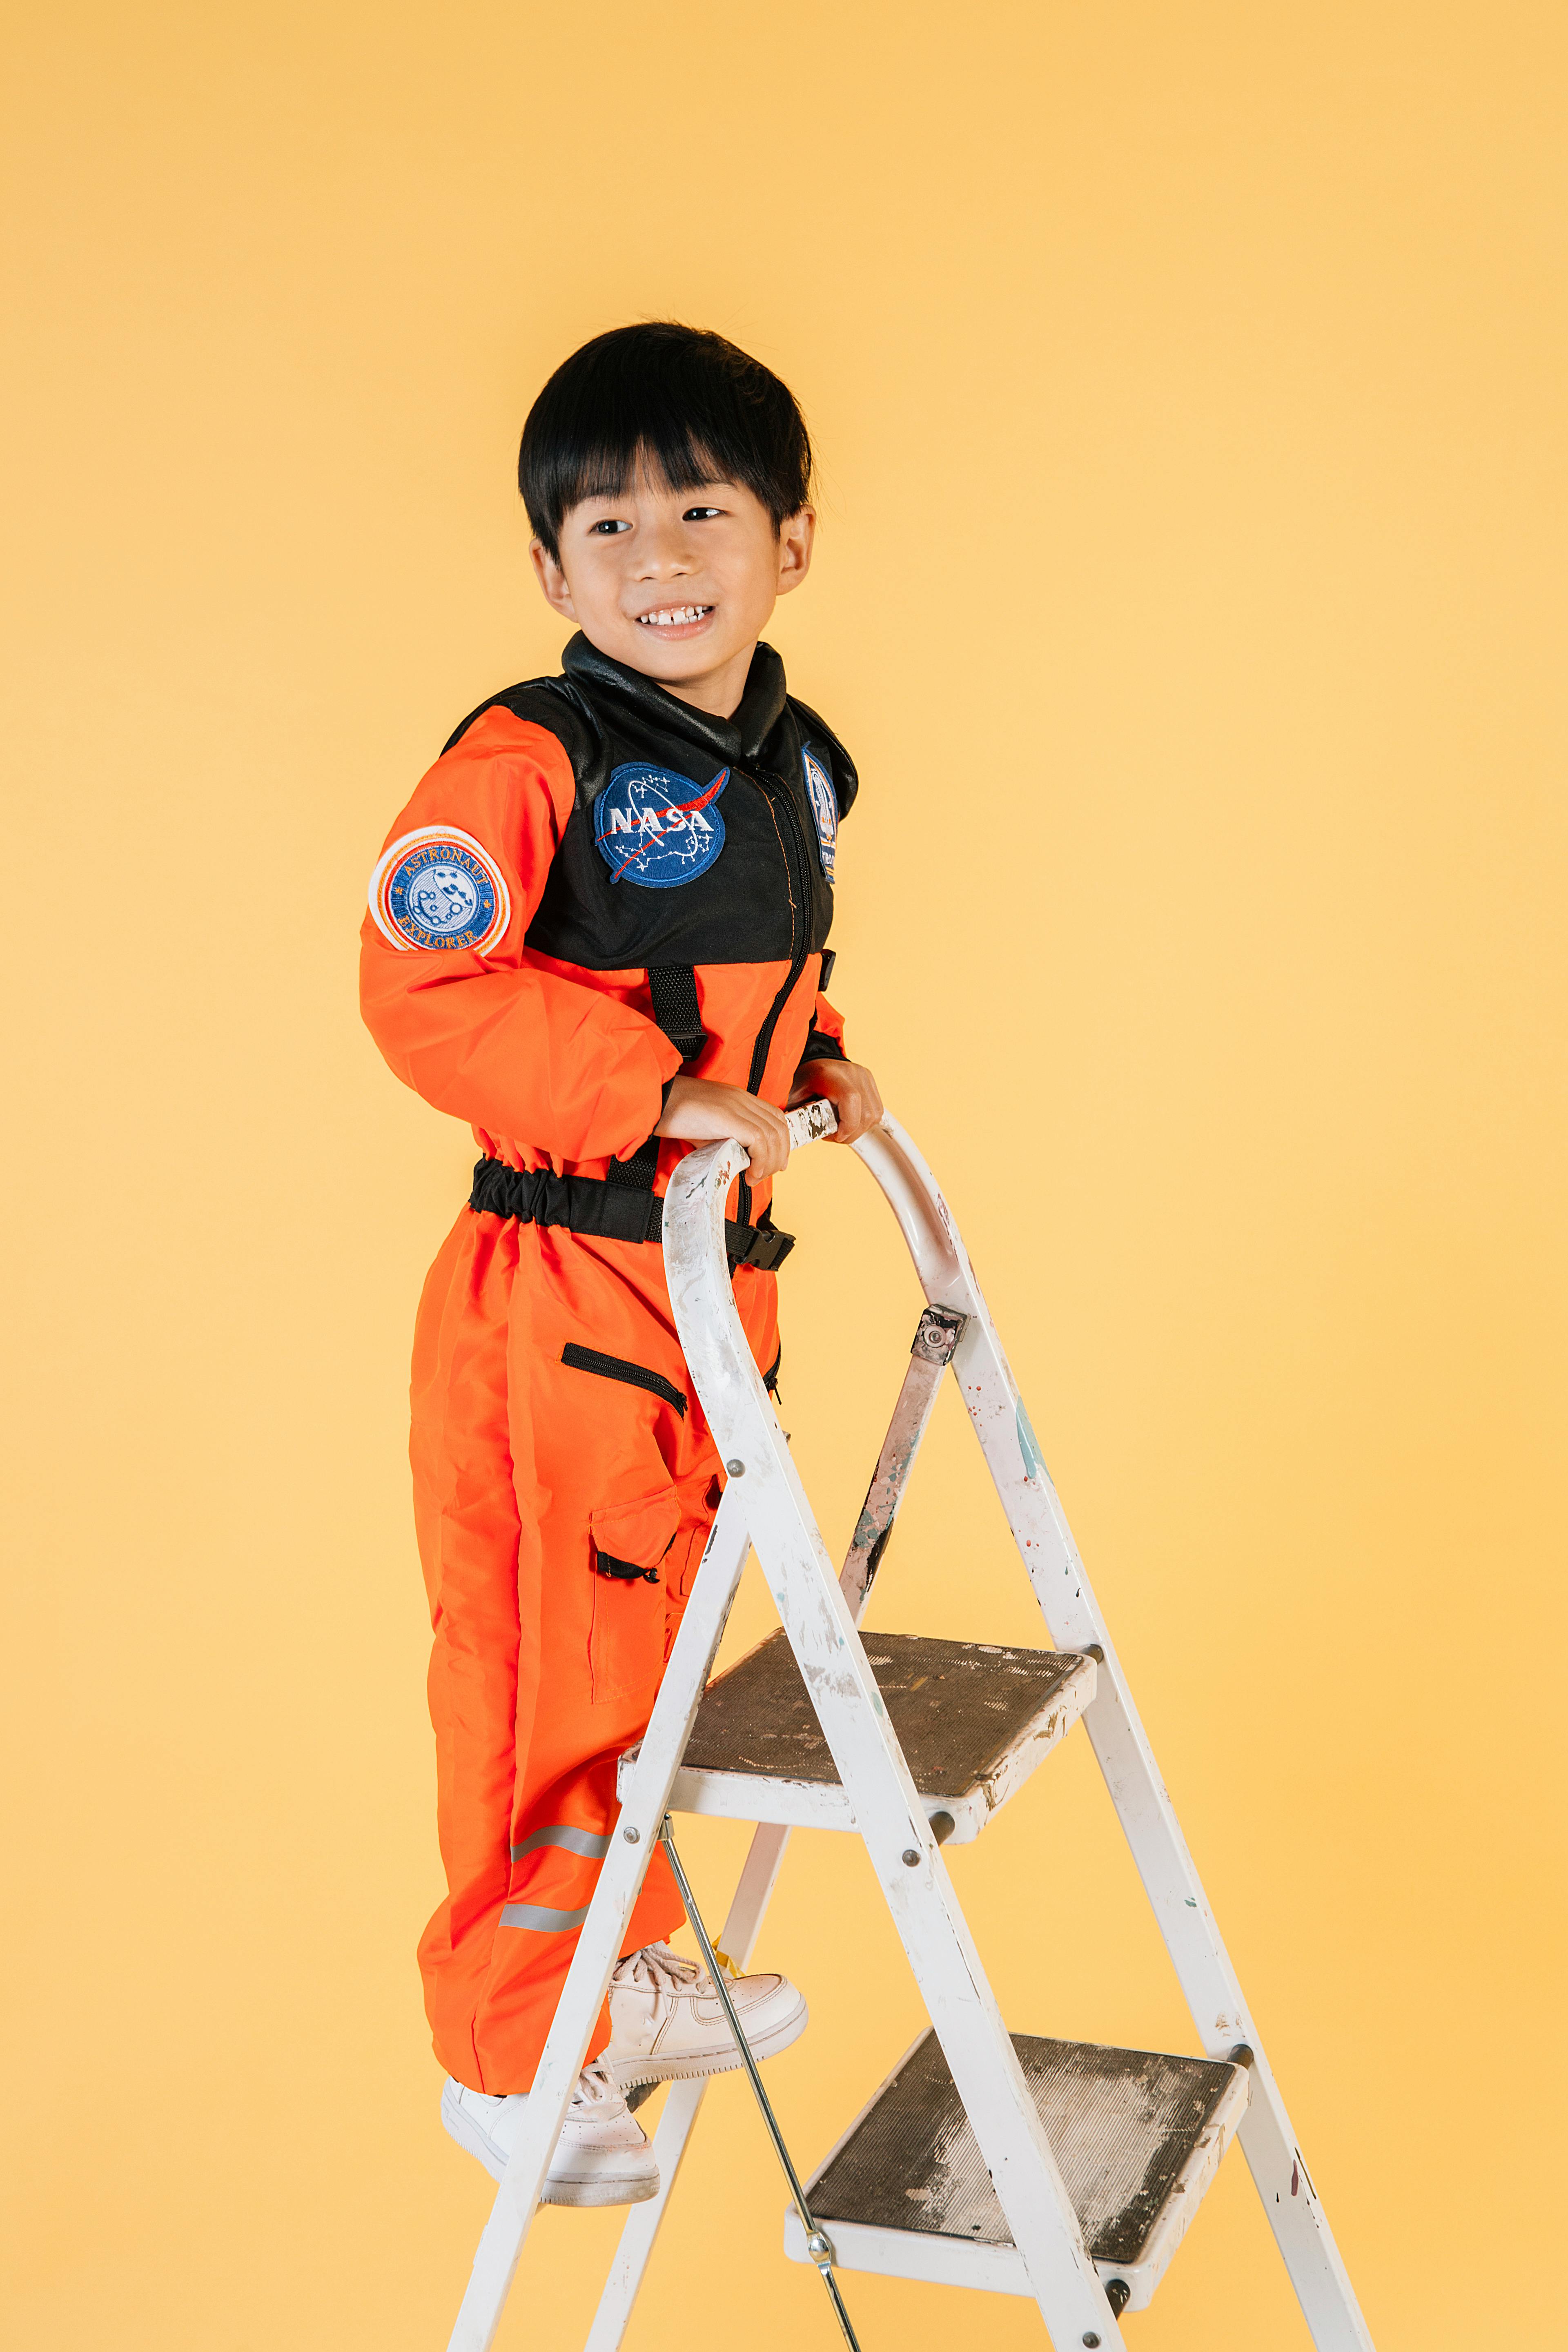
(563,1474)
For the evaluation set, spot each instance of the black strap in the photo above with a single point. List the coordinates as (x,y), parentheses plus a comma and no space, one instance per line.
(673,988)
(587,1204)
(819,1046)
(636,1174)
(624,1571)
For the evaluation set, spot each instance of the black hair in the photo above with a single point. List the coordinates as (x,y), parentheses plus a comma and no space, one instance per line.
(680,400)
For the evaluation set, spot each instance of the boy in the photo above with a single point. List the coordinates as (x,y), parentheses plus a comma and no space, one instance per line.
(597,933)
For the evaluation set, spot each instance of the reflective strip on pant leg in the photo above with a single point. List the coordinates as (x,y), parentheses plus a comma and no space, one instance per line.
(582,1841)
(534,1915)
(540,1915)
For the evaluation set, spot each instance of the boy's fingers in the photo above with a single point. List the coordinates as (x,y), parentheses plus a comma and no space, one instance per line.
(859,1107)
(778,1157)
(768,1146)
(854,1094)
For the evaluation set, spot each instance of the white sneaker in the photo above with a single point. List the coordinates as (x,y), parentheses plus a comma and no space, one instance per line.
(602,2158)
(666,2022)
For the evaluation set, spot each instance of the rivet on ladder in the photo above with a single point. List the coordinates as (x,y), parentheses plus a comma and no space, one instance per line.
(736,1469)
(632,1837)
(911,1857)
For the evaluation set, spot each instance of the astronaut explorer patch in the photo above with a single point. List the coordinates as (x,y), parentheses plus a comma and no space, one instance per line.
(658,828)
(441,888)
(823,808)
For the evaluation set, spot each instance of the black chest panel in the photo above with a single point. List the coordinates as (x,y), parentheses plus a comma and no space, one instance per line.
(763,895)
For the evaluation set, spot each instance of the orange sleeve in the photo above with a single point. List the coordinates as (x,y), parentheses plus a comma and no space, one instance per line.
(462,1010)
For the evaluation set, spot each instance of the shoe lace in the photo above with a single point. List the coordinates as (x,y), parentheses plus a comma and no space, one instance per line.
(596,2088)
(658,1970)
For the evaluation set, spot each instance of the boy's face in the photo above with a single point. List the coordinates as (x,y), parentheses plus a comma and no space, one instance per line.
(677,584)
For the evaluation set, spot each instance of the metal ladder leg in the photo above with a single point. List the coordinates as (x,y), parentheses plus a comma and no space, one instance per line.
(604,1931)
(681,2105)
(904,1854)
(936,1337)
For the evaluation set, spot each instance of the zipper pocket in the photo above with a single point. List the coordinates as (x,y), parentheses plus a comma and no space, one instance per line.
(616,1368)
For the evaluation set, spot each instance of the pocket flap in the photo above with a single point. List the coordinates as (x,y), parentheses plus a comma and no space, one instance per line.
(641,1530)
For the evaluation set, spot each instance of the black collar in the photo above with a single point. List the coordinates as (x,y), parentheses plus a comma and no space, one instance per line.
(737,740)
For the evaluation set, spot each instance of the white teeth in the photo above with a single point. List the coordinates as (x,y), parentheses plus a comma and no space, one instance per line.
(673,616)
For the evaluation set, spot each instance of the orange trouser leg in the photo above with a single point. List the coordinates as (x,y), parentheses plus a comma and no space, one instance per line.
(527,1473)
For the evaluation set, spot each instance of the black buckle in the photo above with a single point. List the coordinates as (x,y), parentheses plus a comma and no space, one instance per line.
(766,1248)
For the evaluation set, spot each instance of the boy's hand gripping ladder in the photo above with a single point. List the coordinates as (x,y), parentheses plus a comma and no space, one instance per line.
(1045,2237)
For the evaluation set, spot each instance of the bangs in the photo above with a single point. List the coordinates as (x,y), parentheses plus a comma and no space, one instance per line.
(672,462)
(681,404)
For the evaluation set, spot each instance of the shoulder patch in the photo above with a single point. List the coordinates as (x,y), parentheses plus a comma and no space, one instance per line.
(823,808)
(656,827)
(441,888)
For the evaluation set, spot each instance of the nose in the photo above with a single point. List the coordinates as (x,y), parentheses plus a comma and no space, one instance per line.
(665,551)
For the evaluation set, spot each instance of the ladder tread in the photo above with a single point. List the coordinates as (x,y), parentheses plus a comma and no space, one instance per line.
(1137,2134)
(957,1708)
(973,1719)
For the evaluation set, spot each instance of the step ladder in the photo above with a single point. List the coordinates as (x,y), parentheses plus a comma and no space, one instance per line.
(1060,2170)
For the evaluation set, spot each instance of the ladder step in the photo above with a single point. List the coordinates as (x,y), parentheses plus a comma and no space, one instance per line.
(972,1719)
(1138,2135)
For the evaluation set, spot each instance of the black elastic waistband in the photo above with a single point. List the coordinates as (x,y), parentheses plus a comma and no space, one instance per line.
(618,1212)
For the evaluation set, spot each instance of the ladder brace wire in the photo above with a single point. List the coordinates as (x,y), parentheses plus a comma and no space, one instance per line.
(818,2246)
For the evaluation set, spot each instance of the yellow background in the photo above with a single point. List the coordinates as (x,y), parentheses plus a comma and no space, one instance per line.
(1188,387)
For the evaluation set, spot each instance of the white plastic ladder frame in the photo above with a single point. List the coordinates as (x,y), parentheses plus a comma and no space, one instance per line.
(764,1507)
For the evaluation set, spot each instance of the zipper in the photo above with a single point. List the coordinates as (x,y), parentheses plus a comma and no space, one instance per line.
(776,794)
(617,1368)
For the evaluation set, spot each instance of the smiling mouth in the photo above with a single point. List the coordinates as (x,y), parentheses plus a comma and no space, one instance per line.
(673,616)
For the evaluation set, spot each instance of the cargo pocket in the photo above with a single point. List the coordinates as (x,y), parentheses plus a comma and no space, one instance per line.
(627,1545)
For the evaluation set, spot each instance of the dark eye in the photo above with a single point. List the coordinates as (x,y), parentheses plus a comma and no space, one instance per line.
(607,528)
(701,514)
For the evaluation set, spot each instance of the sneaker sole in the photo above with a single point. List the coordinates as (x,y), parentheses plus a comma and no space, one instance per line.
(633,2074)
(560,2188)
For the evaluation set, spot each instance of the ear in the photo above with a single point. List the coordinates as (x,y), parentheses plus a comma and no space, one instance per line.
(797,534)
(551,579)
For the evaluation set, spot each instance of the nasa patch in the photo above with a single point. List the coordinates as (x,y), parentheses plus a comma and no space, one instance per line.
(441,888)
(823,808)
(658,828)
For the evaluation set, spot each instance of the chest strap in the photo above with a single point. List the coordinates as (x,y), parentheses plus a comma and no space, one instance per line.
(673,988)
(619,1213)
